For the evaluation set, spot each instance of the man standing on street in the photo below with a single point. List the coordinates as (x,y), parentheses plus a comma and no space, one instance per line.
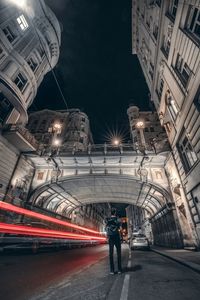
(113,233)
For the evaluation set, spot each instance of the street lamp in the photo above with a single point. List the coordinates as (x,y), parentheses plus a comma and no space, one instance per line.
(116,142)
(140,125)
(57,128)
(56,142)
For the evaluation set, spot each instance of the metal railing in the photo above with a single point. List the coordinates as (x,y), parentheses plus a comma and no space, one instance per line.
(24,132)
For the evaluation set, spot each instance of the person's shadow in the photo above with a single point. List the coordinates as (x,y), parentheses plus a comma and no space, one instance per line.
(132,269)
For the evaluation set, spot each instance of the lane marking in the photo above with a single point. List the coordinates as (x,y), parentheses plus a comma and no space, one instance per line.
(124,293)
(129,264)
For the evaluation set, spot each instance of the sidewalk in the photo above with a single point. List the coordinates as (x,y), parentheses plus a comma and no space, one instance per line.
(190,259)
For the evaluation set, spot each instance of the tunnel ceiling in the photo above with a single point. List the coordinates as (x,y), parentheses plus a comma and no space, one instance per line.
(65,195)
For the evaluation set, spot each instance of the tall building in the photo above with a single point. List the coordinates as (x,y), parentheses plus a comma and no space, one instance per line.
(166,39)
(30,38)
(29,48)
(68,129)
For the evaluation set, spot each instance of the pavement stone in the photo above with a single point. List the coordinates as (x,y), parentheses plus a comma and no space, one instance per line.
(190,259)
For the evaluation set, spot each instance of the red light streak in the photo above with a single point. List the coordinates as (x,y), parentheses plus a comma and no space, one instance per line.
(27,230)
(26,212)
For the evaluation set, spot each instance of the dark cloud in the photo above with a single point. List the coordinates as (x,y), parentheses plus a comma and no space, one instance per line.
(96,69)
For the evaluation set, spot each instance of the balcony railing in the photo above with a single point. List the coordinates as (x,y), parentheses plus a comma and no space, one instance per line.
(20,137)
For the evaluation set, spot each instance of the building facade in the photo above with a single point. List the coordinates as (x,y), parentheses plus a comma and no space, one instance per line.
(166,39)
(30,38)
(68,129)
(146,131)
(29,47)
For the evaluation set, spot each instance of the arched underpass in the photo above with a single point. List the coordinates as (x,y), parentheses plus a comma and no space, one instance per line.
(65,195)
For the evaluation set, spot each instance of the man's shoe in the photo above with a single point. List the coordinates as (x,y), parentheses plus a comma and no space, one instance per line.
(119,272)
(112,273)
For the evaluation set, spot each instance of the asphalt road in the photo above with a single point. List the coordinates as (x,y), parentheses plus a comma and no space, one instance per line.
(84,274)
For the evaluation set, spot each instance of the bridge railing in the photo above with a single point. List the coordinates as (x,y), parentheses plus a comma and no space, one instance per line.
(104,149)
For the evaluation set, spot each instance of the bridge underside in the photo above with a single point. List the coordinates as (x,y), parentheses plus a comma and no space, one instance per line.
(68,193)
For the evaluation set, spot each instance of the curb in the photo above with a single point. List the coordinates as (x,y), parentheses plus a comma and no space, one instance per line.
(188,265)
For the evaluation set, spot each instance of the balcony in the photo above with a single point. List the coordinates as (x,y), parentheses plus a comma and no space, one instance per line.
(20,137)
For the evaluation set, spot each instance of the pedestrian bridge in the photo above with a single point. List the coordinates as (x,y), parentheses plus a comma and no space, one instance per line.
(65,181)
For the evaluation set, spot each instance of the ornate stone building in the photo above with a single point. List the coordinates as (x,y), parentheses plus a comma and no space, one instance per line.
(30,38)
(68,129)
(166,39)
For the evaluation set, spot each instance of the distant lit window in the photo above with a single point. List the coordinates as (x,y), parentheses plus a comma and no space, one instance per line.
(9,34)
(32,64)
(193,22)
(182,69)
(22,22)
(187,153)
(20,81)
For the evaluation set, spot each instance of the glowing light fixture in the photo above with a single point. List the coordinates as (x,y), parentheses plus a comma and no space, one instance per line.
(116,142)
(19,3)
(56,142)
(57,127)
(140,124)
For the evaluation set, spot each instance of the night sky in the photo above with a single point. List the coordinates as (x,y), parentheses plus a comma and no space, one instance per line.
(96,70)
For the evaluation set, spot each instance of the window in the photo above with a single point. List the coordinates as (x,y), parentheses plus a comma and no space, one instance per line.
(22,22)
(171,105)
(193,22)
(5,108)
(197,100)
(187,154)
(155,31)
(32,64)
(196,200)
(9,34)
(83,119)
(160,88)
(152,129)
(166,45)
(151,69)
(41,51)
(20,81)
(173,8)
(183,70)
(158,2)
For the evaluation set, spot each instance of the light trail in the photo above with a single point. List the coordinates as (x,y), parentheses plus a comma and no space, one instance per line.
(19,210)
(40,232)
